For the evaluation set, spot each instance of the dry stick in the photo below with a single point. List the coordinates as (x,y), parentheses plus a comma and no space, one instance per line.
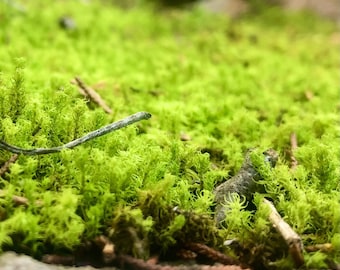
(5,167)
(293,147)
(326,247)
(94,134)
(292,239)
(212,254)
(19,200)
(92,94)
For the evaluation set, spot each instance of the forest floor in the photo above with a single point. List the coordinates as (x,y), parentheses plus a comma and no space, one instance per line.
(179,190)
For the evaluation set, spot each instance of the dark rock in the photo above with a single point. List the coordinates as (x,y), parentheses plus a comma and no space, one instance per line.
(243,183)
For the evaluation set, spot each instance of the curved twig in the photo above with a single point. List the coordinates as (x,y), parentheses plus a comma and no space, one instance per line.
(93,134)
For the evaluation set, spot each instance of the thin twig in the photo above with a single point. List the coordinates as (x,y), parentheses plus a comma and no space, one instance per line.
(92,94)
(5,167)
(326,247)
(293,147)
(212,254)
(19,200)
(292,239)
(94,134)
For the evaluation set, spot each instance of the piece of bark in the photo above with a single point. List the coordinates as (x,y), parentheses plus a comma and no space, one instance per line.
(243,183)
(292,239)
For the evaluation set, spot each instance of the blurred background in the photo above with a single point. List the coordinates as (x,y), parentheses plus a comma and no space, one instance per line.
(234,8)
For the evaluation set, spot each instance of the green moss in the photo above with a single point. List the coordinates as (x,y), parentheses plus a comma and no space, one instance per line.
(228,85)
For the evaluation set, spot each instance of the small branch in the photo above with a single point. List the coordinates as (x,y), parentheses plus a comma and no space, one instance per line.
(293,147)
(292,239)
(92,94)
(5,167)
(94,134)
(212,254)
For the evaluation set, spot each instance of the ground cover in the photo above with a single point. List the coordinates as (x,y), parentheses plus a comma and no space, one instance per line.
(215,88)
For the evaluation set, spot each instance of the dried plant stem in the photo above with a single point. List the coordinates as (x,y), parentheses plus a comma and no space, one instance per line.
(292,239)
(5,167)
(19,200)
(326,247)
(92,94)
(94,134)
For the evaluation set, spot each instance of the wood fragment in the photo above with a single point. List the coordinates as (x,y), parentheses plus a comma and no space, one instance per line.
(91,94)
(292,239)
(212,254)
(326,247)
(293,147)
(4,168)
(19,200)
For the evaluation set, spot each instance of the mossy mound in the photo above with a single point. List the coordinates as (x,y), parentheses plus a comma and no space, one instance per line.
(215,88)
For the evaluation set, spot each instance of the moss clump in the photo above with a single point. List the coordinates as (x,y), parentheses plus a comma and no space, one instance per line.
(227,85)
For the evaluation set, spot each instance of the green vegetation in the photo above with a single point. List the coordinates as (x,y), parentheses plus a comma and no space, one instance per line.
(228,85)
